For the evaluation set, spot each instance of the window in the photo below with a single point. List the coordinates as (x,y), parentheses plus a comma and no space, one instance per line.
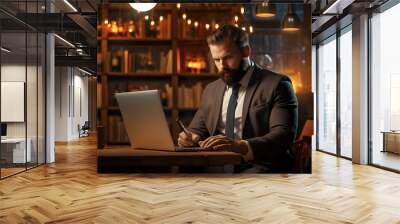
(385,87)
(327,96)
(346,92)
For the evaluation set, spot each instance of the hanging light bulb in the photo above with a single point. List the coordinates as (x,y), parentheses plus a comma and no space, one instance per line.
(236,19)
(196,23)
(265,10)
(291,21)
(207,26)
(152,23)
(251,29)
(189,21)
(178,5)
(142,7)
(161,18)
(184,16)
(216,26)
(106,21)
(146,17)
(242,10)
(244,28)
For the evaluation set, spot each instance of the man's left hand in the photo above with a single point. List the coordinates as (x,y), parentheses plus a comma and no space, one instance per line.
(223,143)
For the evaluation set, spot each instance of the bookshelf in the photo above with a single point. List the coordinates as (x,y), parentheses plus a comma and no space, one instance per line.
(168,54)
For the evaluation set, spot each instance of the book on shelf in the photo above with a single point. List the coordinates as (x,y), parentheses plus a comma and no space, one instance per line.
(190,97)
(114,88)
(169,95)
(165,27)
(99,95)
(127,61)
(169,62)
(116,130)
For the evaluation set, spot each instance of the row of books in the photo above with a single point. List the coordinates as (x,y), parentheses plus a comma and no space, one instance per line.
(166,92)
(129,61)
(116,130)
(190,96)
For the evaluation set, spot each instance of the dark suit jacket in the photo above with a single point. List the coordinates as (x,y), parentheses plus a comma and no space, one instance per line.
(269,117)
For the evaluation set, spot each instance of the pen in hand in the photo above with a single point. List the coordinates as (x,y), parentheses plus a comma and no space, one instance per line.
(180,123)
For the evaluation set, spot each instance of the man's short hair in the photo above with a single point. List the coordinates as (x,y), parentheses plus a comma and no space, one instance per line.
(229,33)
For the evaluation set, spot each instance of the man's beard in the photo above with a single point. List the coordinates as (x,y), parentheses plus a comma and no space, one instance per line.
(232,76)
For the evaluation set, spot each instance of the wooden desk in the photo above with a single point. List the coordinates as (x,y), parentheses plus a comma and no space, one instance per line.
(14,152)
(391,141)
(125,159)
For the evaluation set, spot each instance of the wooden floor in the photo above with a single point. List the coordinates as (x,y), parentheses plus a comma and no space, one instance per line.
(386,159)
(70,191)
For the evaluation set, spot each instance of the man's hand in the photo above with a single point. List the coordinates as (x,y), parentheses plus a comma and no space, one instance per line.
(223,143)
(188,140)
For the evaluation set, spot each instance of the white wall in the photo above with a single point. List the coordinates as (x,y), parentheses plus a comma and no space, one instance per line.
(71,102)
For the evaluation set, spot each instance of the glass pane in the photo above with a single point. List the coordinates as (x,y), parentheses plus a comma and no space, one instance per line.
(13,86)
(31,97)
(385,89)
(346,94)
(327,96)
(41,98)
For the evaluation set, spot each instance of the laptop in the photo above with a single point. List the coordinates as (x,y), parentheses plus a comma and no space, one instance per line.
(145,121)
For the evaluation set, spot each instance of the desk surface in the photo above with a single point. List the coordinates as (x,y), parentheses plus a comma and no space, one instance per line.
(125,156)
(13,140)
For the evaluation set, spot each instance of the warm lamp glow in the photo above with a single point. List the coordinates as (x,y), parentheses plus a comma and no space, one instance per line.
(142,7)
(265,10)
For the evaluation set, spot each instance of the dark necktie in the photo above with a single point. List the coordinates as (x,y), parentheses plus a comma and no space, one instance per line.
(230,115)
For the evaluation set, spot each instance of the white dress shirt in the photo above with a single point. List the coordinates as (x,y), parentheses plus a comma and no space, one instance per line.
(238,129)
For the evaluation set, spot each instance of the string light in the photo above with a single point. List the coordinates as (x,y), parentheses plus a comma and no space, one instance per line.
(131,26)
(216,26)
(114,27)
(207,26)
(184,16)
(196,24)
(152,23)
(189,21)
(161,18)
(178,5)
(146,17)
(242,10)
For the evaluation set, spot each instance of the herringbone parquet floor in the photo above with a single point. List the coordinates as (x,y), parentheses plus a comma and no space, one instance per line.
(71,191)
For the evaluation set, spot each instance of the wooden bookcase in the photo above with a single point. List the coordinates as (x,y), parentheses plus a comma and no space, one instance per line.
(169,52)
